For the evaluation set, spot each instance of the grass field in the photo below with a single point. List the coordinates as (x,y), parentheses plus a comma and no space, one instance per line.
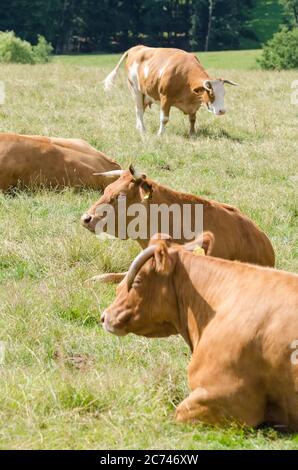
(237,60)
(124,392)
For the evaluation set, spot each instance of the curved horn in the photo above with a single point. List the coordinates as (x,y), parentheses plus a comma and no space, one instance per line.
(138,263)
(111,174)
(229,82)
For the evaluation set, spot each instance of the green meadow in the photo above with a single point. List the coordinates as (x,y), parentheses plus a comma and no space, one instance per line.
(65,383)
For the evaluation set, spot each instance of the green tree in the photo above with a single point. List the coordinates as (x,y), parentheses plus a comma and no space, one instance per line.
(218,24)
(291,11)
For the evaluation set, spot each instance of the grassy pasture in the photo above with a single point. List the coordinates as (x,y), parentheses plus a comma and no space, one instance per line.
(121,393)
(237,60)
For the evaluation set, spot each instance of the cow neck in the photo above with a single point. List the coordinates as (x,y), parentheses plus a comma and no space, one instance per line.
(201,284)
(164,195)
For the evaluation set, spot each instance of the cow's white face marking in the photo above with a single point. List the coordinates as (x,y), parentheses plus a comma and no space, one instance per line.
(218,105)
(146,71)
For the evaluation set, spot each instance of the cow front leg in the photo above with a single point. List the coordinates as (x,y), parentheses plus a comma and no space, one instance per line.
(197,408)
(192,121)
(164,114)
(243,405)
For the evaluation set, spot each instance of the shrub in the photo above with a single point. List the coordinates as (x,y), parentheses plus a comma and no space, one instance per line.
(281,52)
(42,51)
(14,49)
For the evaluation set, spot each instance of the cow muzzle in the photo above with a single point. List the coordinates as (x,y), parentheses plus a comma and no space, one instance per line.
(104,319)
(87,221)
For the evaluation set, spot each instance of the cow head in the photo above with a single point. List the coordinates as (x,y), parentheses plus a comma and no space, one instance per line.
(132,185)
(146,302)
(212,93)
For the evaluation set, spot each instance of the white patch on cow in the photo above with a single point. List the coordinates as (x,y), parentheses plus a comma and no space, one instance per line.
(146,71)
(218,105)
(134,75)
(163,120)
(161,71)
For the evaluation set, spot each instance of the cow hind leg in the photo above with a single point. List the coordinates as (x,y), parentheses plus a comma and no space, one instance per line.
(139,112)
(139,106)
(164,114)
(192,121)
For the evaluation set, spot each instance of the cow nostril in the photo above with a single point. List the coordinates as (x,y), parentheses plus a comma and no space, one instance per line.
(102,318)
(86,219)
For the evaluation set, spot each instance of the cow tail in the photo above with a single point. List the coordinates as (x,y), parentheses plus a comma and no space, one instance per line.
(110,79)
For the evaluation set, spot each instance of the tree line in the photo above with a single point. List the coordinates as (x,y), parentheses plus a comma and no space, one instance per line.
(113,25)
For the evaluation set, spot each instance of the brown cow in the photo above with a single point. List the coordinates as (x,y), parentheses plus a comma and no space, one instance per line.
(239,320)
(173,77)
(27,161)
(236,236)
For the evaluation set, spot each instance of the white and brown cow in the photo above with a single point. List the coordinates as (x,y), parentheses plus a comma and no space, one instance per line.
(239,320)
(173,77)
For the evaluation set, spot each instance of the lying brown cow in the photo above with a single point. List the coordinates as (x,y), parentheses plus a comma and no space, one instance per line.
(236,236)
(173,77)
(239,320)
(29,161)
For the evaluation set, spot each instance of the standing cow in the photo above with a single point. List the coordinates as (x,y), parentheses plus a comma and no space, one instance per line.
(173,77)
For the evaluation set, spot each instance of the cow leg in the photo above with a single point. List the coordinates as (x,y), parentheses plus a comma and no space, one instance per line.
(164,114)
(139,104)
(192,121)
(140,113)
(245,406)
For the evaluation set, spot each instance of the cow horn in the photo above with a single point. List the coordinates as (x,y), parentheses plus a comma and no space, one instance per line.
(107,278)
(229,82)
(138,263)
(111,174)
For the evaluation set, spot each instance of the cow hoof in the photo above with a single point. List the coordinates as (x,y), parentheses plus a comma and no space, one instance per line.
(181,414)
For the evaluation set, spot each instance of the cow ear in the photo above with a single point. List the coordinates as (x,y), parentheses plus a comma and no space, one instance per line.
(163,261)
(204,242)
(145,191)
(138,177)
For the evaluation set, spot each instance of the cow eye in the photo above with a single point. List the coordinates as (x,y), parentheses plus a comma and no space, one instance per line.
(136,282)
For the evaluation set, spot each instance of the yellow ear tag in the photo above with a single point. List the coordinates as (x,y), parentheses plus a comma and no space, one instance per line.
(199,251)
(146,197)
